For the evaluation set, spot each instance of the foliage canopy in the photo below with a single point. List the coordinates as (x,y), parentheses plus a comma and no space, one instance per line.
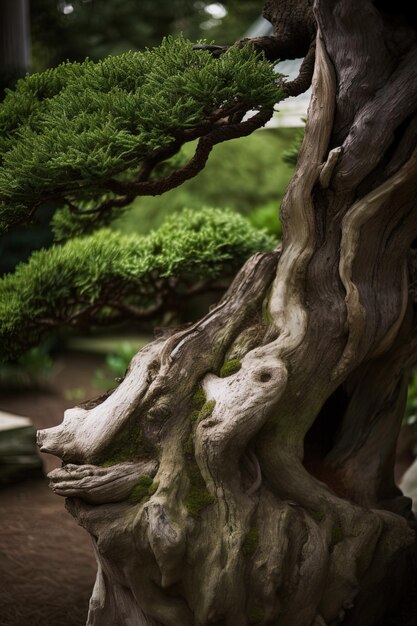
(89,136)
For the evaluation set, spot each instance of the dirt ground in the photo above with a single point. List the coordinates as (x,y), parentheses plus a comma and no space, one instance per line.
(47,567)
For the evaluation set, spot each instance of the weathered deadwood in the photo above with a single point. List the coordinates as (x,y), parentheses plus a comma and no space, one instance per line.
(257,444)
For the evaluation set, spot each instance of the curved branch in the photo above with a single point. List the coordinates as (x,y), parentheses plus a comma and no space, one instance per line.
(303,81)
(208,136)
(197,162)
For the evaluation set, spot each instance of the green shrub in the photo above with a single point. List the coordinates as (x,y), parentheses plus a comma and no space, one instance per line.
(266,217)
(91,280)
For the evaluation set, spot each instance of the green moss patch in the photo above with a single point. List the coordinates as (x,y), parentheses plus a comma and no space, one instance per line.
(188,445)
(126,446)
(255,615)
(194,415)
(199,397)
(206,410)
(250,542)
(230,367)
(336,534)
(318,515)
(144,488)
(198,401)
(198,496)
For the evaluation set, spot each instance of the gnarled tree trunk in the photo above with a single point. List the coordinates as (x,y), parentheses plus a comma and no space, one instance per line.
(242,472)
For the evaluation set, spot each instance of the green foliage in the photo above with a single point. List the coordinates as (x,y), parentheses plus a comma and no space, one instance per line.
(230,367)
(67,132)
(266,217)
(67,225)
(250,542)
(144,488)
(91,280)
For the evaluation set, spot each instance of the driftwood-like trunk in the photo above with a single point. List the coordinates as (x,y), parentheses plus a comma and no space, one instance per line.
(242,473)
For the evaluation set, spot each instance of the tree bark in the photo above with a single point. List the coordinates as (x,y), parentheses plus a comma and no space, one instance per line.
(261,439)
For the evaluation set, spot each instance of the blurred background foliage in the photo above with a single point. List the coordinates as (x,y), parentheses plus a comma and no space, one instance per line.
(245,174)
(76,29)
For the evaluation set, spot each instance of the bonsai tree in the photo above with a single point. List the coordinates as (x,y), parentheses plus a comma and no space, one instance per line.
(242,472)
(128,117)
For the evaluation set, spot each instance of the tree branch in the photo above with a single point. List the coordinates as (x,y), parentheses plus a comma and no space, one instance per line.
(303,81)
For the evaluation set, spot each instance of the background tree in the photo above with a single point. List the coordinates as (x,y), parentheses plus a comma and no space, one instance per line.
(242,472)
(15,62)
(14,42)
(78,29)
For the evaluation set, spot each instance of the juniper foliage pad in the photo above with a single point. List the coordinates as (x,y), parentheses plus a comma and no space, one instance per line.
(94,279)
(77,134)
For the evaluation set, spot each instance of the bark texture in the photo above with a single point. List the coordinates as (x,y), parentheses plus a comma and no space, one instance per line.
(242,473)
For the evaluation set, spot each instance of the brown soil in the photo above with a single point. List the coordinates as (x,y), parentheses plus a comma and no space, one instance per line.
(47,567)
